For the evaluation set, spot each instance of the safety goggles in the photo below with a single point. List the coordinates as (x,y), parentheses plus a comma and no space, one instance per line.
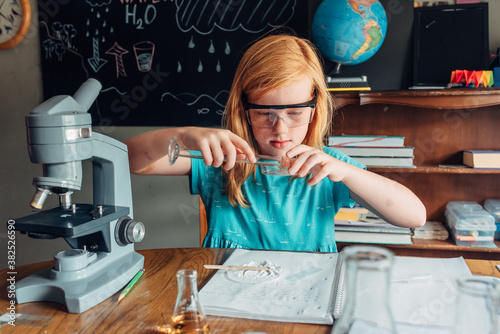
(266,116)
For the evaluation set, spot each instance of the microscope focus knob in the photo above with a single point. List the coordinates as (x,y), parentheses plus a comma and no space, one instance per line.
(136,231)
(129,231)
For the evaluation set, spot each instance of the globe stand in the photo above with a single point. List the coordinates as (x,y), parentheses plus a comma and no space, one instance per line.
(336,69)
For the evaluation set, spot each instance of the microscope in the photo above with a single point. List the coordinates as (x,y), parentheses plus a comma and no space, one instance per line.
(102,259)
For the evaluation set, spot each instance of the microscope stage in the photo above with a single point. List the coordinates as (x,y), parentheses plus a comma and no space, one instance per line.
(64,223)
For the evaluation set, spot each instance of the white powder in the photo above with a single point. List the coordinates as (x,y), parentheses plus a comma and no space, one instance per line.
(255,276)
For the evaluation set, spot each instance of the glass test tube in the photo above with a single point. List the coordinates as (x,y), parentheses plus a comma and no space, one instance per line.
(270,165)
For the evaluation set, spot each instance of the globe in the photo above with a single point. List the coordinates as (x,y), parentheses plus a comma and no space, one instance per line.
(349,32)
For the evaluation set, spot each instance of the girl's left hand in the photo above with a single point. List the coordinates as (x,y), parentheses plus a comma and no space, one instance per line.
(310,160)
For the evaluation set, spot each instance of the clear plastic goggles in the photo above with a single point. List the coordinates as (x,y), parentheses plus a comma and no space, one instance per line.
(293,115)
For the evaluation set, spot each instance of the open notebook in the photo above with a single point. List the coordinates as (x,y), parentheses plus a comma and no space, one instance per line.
(309,288)
(297,288)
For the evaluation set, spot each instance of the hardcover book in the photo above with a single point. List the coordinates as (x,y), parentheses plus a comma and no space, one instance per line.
(386,161)
(359,230)
(347,140)
(376,151)
(357,237)
(360,226)
(482,159)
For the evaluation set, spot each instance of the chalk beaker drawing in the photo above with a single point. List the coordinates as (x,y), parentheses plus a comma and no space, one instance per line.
(144,52)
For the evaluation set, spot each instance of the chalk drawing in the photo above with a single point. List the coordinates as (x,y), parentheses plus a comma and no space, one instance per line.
(250,16)
(144,52)
(96,62)
(118,52)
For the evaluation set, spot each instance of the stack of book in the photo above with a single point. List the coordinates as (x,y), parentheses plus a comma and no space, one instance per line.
(375,151)
(359,225)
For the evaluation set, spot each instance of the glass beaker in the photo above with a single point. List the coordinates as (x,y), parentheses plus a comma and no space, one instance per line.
(496,305)
(270,165)
(188,316)
(476,306)
(366,307)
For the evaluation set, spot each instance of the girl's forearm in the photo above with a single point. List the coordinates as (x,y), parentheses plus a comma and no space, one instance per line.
(389,199)
(148,148)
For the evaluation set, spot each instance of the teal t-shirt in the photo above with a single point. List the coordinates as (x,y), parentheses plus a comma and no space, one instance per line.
(284,213)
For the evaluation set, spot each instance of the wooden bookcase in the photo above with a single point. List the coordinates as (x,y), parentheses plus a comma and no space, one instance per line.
(440,124)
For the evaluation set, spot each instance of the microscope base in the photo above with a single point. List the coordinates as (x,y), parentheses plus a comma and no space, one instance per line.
(84,292)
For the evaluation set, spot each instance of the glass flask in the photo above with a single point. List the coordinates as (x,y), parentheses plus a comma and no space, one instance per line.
(476,306)
(366,306)
(188,316)
(270,165)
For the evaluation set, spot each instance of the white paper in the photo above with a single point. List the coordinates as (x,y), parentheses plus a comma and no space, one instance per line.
(299,288)
(429,295)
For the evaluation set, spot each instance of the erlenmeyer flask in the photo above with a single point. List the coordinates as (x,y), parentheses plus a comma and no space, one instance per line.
(366,308)
(188,316)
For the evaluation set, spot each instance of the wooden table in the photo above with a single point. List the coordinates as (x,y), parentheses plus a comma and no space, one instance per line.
(150,304)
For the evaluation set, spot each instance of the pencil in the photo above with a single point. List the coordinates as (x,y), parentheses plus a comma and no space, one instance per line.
(131,284)
(216,266)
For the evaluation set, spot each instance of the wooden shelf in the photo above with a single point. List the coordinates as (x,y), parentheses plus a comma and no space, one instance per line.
(440,125)
(436,99)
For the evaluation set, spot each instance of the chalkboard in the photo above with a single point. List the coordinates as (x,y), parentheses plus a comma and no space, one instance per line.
(160,62)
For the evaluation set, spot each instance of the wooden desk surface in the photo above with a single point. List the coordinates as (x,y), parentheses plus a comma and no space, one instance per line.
(150,304)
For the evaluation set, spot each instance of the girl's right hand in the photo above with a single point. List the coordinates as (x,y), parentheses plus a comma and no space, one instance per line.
(148,152)
(216,145)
